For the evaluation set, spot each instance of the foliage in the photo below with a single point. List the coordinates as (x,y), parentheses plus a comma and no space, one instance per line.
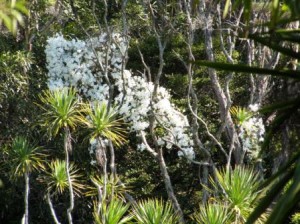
(23,157)
(15,92)
(103,122)
(11,14)
(112,212)
(135,93)
(85,59)
(239,191)
(55,177)
(154,211)
(274,38)
(240,114)
(295,218)
(61,108)
(14,67)
(114,187)
(287,200)
(213,213)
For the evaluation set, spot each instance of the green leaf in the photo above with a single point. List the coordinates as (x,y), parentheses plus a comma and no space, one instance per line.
(226,8)
(275,45)
(268,199)
(247,69)
(284,105)
(283,113)
(274,13)
(287,201)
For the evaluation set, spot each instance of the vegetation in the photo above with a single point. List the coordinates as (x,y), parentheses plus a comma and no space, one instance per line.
(149,112)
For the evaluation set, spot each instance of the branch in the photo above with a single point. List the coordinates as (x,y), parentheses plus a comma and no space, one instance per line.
(148,148)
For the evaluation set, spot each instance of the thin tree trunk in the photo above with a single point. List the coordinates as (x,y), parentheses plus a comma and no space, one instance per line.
(112,159)
(168,184)
(102,161)
(105,180)
(161,38)
(26,198)
(67,147)
(52,208)
(223,101)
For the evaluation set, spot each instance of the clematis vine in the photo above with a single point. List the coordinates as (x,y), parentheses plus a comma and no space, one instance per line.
(251,132)
(95,67)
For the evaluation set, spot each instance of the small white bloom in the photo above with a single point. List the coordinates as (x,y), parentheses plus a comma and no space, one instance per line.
(93,162)
(254,107)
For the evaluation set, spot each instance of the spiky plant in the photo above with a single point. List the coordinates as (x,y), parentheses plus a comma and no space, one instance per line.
(114,187)
(239,190)
(104,123)
(113,212)
(154,211)
(240,114)
(56,178)
(213,213)
(62,110)
(23,159)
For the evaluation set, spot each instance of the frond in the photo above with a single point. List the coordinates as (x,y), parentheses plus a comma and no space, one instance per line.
(24,157)
(240,114)
(55,177)
(114,187)
(213,213)
(154,211)
(62,108)
(104,123)
(112,212)
(239,188)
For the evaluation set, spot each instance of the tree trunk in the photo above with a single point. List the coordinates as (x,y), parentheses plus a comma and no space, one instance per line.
(168,184)
(221,97)
(67,147)
(52,208)
(26,198)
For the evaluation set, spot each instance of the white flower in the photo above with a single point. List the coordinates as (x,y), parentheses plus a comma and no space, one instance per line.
(74,62)
(141,147)
(254,107)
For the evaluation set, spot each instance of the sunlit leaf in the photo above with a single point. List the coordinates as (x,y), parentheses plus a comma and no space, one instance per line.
(248,69)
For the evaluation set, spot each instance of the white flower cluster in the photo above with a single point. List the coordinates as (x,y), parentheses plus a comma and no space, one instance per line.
(84,64)
(252,133)
(137,104)
(87,65)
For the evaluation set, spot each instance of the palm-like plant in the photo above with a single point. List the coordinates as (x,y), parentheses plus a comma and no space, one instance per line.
(239,188)
(24,158)
(103,123)
(240,114)
(114,187)
(213,213)
(56,179)
(154,212)
(112,212)
(62,110)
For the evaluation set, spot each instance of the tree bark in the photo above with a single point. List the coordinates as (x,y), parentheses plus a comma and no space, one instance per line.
(67,147)
(168,184)
(26,198)
(53,213)
(206,17)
